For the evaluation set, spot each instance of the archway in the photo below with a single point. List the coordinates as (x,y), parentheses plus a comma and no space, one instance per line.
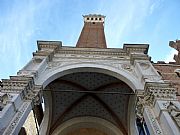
(66,81)
(87,125)
(86,131)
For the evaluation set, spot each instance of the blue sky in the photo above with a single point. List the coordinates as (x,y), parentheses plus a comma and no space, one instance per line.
(23,22)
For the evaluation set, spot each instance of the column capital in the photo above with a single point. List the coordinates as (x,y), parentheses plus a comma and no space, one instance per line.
(160,91)
(34,95)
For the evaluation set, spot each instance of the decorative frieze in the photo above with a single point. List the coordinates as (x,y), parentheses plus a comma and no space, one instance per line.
(23,85)
(17,83)
(90,56)
(91,53)
(154,91)
(160,91)
(115,64)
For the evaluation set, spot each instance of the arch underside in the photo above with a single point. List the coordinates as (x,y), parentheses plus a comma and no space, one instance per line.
(86,131)
(111,105)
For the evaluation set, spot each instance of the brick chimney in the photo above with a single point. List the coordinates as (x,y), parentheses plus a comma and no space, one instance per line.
(92,34)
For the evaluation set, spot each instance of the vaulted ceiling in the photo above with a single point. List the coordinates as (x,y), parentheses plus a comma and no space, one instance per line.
(90,94)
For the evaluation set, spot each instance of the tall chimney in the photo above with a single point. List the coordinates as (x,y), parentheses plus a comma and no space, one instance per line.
(92,34)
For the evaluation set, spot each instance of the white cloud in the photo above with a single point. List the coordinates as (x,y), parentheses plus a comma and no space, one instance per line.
(17,29)
(128,17)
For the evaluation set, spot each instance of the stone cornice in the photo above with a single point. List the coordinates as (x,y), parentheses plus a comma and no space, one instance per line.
(23,85)
(17,84)
(138,48)
(50,48)
(47,48)
(136,56)
(54,45)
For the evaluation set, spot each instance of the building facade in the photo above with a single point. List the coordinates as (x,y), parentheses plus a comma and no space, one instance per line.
(92,90)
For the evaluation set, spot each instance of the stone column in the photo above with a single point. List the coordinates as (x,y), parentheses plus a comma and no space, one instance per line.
(18,120)
(168,113)
(46,122)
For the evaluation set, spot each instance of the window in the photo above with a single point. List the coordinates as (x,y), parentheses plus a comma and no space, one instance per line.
(142,127)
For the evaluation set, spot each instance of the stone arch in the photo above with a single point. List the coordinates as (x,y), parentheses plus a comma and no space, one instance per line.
(87,122)
(120,74)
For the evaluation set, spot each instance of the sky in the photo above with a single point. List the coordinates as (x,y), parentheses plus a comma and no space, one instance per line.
(23,22)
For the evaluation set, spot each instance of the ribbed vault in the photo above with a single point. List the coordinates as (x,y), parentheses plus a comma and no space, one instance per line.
(90,94)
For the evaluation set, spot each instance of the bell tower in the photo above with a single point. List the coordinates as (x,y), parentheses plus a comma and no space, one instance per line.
(92,34)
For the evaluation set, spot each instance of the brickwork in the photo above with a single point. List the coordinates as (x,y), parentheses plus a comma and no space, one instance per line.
(167,71)
(92,35)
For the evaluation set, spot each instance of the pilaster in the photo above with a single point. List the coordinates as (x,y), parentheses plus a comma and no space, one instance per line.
(19,95)
(159,107)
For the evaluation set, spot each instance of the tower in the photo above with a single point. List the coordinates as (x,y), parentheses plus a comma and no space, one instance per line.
(90,89)
(92,34)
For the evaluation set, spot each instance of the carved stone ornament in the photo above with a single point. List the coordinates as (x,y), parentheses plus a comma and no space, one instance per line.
(174,112)
(34,95)
(4,99)
(139,108)
(151,94)
(144,65)
(142,101)
(127,67)
(66,62)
